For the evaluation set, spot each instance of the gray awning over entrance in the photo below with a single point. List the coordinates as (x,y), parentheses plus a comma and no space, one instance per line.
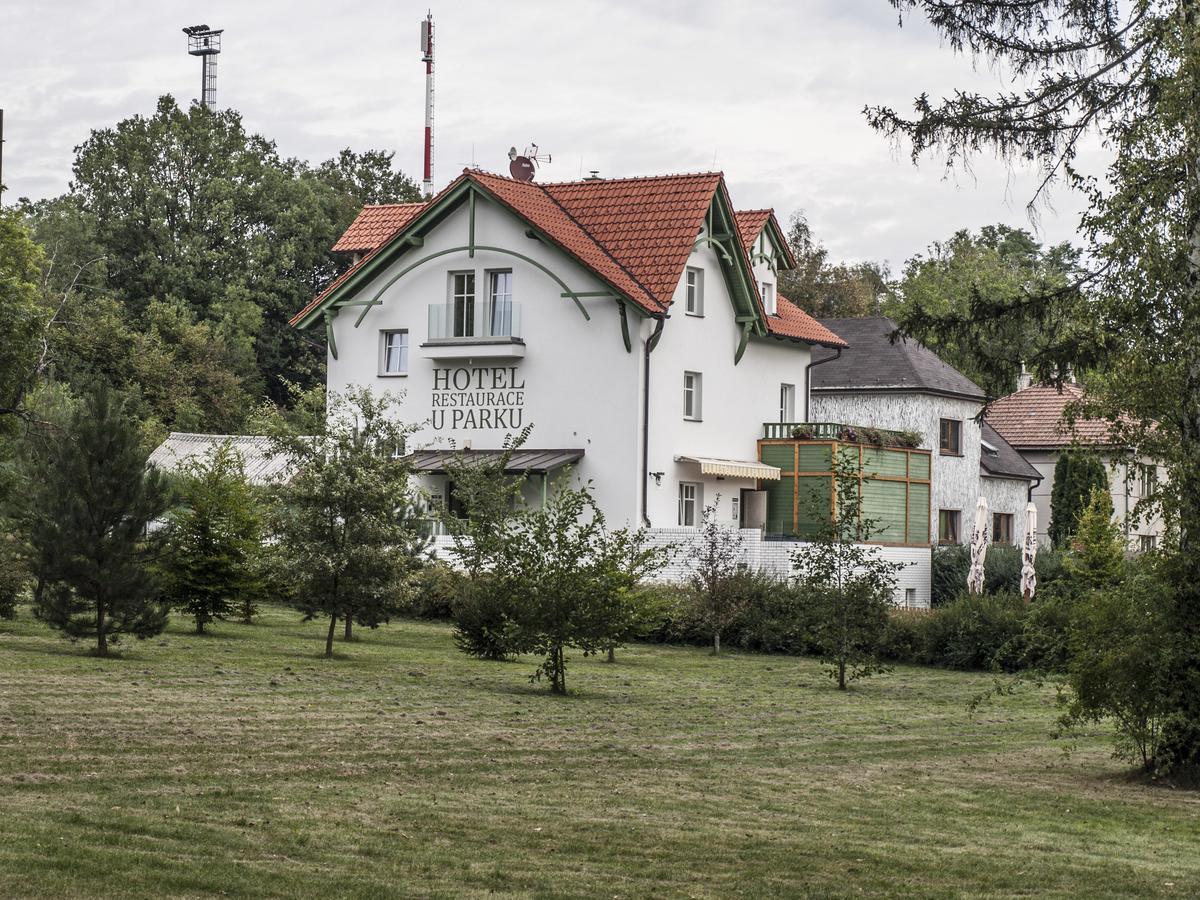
(538,462)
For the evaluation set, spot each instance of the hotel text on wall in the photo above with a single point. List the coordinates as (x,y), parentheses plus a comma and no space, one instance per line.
(472,398)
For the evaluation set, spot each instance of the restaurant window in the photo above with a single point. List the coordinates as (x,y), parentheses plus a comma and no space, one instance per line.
(950,439)
(694,288)
(692,395)
(394,353)
(1002,528)
(462,300)
(948,526)
(689,503)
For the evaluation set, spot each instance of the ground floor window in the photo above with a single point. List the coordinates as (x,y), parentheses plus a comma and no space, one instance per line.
(910,597)
(948,526)
(1147,543)
(1002,528)
(689,503)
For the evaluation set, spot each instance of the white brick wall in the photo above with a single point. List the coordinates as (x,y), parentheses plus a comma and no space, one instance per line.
(775,557)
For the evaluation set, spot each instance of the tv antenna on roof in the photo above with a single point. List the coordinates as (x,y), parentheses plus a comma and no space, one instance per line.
(205,43)
(522,167)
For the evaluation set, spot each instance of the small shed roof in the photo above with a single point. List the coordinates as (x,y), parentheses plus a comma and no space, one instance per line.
(998,458)
(261,466)
(539,462)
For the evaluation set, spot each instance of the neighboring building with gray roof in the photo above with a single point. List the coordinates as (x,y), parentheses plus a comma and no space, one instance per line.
(904,386)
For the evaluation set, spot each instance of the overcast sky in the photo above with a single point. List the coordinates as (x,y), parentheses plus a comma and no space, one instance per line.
(770,93)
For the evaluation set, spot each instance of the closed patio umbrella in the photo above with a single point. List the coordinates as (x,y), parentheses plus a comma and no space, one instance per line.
(979,543)
(1029,554)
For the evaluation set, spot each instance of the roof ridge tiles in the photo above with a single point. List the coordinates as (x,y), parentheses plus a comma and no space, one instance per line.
(602,180)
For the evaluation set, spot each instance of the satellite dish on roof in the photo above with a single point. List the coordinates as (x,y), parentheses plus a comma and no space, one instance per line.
(522,167)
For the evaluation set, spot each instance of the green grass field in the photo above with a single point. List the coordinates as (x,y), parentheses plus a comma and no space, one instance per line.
(242,764)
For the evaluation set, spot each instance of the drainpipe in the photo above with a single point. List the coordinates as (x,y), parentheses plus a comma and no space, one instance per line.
(650,343)
(808,381)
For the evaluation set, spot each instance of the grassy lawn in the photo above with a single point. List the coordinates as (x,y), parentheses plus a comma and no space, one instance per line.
(242,764)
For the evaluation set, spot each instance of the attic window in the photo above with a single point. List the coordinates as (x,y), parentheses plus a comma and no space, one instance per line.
(768,297)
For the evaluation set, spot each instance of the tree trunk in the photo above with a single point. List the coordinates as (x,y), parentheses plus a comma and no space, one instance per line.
(841,674)
(101,635)
(716,643)
(349,634)
(329,637)
(612,654)
(199,625)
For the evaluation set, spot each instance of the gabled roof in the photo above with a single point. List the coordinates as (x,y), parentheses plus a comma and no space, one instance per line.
(751,223)
(1035,417)
(374,224)
(795,324)
(873,363)
(1002,460)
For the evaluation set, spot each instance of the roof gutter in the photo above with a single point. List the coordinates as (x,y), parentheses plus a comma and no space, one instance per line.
(808,380)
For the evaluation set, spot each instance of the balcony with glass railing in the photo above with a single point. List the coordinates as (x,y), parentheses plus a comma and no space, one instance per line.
(477,329)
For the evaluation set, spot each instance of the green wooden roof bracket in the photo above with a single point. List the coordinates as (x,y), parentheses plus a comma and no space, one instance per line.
(625,326)
(330,315)
(769,259)
(471,223)
(743,341)
(657,335)
(713,242)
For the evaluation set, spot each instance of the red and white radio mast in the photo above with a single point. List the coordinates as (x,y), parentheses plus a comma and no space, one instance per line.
(427,58)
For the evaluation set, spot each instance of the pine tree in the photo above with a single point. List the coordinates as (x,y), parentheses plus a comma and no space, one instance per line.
(214,542)
(1097,559)
(1076,475)
(88,503)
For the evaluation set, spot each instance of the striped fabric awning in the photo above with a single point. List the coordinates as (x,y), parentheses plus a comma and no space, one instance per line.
(732,468)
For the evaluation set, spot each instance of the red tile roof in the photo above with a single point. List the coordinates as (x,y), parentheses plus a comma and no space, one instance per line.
(793,322)
(1036,417)
(751,222)
(374,225)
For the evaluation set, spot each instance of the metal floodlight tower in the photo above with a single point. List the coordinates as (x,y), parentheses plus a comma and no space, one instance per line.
(427,58)
(205,43)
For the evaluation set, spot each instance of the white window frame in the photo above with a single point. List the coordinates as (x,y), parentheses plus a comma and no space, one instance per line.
(770,303)
(506,317)
(693,291)
(787,403)
(693,504)
(385,337)
(693,397)
(469,301)
(910,598)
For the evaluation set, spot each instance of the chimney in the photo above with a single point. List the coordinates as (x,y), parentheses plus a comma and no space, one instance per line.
(1025,379)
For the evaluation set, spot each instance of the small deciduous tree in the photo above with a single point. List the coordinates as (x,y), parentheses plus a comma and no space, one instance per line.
(850,584)
(215,542)
(569,580)
(348,536)
(1076,474)
(716,564)
(88,503)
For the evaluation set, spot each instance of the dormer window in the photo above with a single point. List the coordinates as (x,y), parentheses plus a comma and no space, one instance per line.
(693,281)
(768,297)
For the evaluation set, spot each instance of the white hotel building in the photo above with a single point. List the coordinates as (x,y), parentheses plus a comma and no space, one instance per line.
(634,323)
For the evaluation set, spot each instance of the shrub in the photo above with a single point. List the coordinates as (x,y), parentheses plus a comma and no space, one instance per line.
(434,591)
(776,615)
(485,624)
(983,632)
(1001,571)
(948,576)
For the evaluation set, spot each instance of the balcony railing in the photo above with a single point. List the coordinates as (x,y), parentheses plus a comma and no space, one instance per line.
(837,431)
(481,320)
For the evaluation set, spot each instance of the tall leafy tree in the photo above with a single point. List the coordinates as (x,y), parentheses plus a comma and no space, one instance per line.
(826,289)
(212,564)
(348,535)
(997,263)
(87,504)
(1130,73)
(22,319)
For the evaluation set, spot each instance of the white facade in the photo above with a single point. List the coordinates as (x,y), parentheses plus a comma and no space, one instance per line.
(570,378)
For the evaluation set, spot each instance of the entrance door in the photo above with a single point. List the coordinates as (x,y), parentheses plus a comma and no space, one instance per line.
(753,509)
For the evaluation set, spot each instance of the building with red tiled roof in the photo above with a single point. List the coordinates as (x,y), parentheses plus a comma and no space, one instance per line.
(1044,421)
(634,323)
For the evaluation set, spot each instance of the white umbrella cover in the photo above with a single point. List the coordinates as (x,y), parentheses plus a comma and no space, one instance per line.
(979,543)
(1029,554)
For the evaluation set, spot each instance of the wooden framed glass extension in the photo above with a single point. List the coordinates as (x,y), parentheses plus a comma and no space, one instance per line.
(895,485)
